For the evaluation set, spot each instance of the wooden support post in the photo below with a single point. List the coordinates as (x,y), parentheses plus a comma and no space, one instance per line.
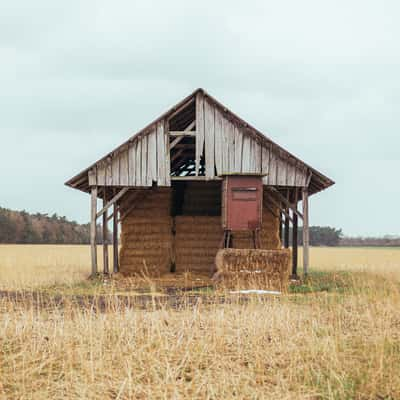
(286,232)
(294,246)
(280,226)
(93,228)
(306,237)
(105,237)
(115,239)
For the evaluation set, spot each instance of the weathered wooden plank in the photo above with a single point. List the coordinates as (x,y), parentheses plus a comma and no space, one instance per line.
(132,164)
(231,146)
(238,150)
(225,145)
(161,150)
(272,168)
(167,155)
(143,144)
(199,129)
(115,170)
(301,176)
(218,141)
(101,174)
(109,177)
(112,201)
(123,168)
(281,171)
(257,157)
(291,173)
(92,177)
(209,132)
(93,247)
(182,133)
(246,154)
(265,163)
(138,172)
(152,157)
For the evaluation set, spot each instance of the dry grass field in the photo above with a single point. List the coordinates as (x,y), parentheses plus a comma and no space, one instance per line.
(337,336)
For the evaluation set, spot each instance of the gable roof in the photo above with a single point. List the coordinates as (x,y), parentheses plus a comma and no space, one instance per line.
(316,180)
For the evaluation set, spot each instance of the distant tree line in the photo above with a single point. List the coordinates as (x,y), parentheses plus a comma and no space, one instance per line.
(22,227)
(319,236)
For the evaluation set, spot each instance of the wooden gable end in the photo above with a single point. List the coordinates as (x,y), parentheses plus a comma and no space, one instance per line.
(232,148)
(140,162)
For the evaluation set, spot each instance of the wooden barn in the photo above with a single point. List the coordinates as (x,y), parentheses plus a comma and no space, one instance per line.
(164,188)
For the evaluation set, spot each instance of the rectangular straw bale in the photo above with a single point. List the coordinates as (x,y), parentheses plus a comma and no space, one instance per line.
(196,242)
(264,269)
(146,235)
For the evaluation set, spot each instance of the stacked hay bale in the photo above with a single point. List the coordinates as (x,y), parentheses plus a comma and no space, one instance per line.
(269,234)
(197,240)
(251,268)
(146,234)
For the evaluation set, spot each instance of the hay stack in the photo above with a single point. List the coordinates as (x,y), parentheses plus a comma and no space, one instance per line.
(253,268)
(196,243)
(146,236)
(269,234)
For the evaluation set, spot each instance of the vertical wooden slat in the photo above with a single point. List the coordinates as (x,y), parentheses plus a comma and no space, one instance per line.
(306,238)
(281,171)
(105,236)
(123,168)
(115,239)
(161,151)
(265,163)
(231,146)
(138,172)
(272,168)
(238,150)
(246,154)
(218,132)
(257,156)
(209,132)
(225,145)
(291,174)
(132,164)
(101,174)
(109,175)
(152,157)
(167,155)
(199,129)
(143,143)
(93,212)
(115,170)
(92,177)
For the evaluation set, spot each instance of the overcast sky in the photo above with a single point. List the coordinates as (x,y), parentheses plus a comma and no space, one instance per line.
(321,78)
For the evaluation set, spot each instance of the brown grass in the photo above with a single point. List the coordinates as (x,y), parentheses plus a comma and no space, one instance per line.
(324,345)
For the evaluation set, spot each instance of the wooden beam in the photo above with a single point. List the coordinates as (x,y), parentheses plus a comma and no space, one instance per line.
(306,237)
(112,201)
(93,247)
(286,231)
(105,238)
(283,199)
(115,239)
(182,107)
(279,205)
(294,246)
(193,178)
(182,133)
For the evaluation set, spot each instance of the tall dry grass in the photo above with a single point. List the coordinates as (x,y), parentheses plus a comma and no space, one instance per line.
(325,345)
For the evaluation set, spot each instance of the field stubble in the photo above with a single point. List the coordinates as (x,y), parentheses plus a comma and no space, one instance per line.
(324,345)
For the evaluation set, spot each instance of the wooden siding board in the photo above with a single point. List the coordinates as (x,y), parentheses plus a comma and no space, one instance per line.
(101,174)
(144,160)
(132,164)
(281,171)
(152,157)
(138,172)
(124,168)
(291,174)
(115,170)
(238,150)
(272,168)
(167,155)
(246,154)
(161,151)
(225,145)
(218,132)
(257,156)
(231,146)
(199,129)
(265,163)
(209,132)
